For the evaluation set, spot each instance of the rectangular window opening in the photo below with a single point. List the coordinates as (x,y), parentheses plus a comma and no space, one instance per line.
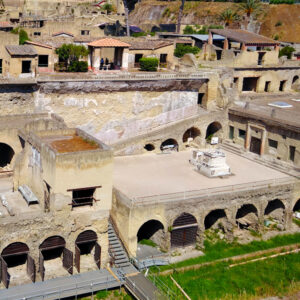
(26,66)
(37,33)
(267,86)
(43,61)
(282,85)
(292,153)
(231,132)
(242,133)
(0,66)
(200,98)
(273,144)
(163,58)
(249,84)
(83,196)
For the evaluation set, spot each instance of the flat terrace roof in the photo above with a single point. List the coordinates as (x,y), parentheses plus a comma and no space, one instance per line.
(158,174)
(261,109)
(69,143)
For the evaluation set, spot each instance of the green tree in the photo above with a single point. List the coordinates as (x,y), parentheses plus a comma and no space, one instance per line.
(228,16)
(70,55)
(181,50)
(287,51)
(250,8)
(23,36)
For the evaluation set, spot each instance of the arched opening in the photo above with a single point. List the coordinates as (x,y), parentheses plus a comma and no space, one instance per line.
(297,206)
(16,258)
(151,230)
(169,145)
(212,129)
(274,212)
(6,154)
(184,231)
(53,256)
(191,133)
(213,217)
(295,79)
(149,147)
(87,251)
(247,216)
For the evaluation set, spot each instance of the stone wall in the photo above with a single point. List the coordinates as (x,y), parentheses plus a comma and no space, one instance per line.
(166,213)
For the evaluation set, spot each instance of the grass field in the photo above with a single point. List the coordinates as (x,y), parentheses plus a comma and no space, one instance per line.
(222,249)
(274,276)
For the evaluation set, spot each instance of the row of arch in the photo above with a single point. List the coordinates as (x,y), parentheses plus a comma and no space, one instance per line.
(18,253)
(184,228)
(190,133)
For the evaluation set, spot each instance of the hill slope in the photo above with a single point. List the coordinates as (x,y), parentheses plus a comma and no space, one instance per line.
(205,13)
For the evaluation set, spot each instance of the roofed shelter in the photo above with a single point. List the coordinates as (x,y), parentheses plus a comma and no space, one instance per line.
(243,37)
(109,49)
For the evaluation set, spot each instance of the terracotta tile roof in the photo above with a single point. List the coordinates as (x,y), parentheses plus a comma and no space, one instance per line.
(244,36)
(54,42)
(108,42)
(63,32)
(149,44)
(21,50)
(5,24)
(38,44)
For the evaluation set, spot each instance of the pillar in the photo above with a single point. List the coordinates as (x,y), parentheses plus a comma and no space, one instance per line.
(263,141)
(210,39)
(226,46)
(244,47)
(125,60)
(248,137)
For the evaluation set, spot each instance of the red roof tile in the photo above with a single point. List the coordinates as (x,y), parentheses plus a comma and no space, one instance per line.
(108,42)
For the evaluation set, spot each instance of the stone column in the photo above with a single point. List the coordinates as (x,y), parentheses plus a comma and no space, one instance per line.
(96,59)
(263,141)
(210,39)
(125,60)
(226,46)
(244,47)
(248,137)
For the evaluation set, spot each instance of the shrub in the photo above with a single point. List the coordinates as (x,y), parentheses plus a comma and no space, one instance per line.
(78,66)
(108,7)
(23,36)
(181,50)
(286,51)
(188,30)
(148,64)
(279,23)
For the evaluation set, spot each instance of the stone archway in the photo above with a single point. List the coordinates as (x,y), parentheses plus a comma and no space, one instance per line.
(87,251)
(169,144)
(6,154)
(53,255)
(213,217)
(191,133)
(297,206)
(295,80)
(184,231)
(247,216)
(275,210)
(213,129)
(16,263)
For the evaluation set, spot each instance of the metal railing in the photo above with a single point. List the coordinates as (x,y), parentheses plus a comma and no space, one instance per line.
(126,76)
(196,194)
(67,290)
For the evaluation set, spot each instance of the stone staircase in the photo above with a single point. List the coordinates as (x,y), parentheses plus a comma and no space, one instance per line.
(116,249)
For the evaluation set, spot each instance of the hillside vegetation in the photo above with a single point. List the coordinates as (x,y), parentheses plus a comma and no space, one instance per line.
(280,21)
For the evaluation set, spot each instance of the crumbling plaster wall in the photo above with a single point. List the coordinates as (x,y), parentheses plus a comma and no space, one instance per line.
(112,116)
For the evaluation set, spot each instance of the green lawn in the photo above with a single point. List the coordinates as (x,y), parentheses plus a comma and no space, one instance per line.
(272,276)
(223,249)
